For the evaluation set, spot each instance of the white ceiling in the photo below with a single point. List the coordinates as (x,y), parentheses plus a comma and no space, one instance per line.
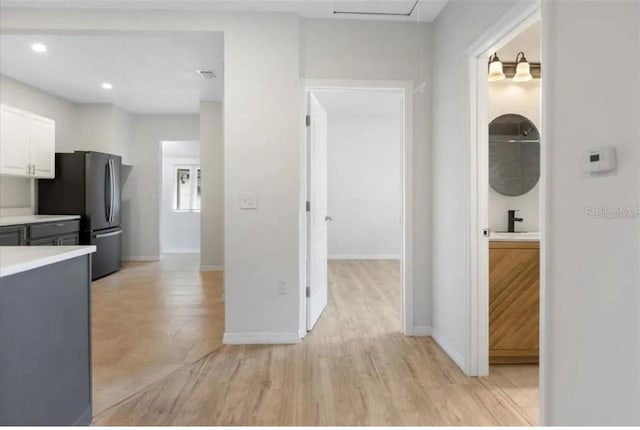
(426,10)
(150,74)
(528,41)
(361,102)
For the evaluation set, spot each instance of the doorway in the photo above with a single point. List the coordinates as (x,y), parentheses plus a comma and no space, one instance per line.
(357,190)
(506,247)
(181,198)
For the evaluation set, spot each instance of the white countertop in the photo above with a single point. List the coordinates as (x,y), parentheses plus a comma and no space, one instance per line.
(531,236)
(32,219)
(17,259)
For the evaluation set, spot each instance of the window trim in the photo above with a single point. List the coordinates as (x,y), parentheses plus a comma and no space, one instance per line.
(193,187)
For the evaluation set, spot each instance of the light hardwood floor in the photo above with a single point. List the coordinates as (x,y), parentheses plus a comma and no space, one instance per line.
(355,368)
(149,320)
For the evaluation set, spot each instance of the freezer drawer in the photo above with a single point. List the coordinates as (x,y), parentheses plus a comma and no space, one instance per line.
(107,258)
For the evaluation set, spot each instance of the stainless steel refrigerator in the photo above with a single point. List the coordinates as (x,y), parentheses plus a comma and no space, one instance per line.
(88,184)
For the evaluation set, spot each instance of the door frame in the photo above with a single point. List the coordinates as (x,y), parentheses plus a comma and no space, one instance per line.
(405,88)
(518,18)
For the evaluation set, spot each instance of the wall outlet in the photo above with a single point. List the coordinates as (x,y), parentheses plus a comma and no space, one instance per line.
(248,200)
(282,288)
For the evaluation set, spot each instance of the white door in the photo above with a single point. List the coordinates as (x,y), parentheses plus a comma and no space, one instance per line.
(43,146)
(14,142)
(317,221)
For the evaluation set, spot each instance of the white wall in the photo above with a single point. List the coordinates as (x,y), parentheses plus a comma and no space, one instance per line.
(141,190)
(103,128)
(212,155)
(592,264)
(16,192)
(364,163)
(180,230)
(455,30)
(93,128)
(523,99)
(382,50)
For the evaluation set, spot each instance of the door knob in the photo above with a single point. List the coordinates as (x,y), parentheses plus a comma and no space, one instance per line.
(328,218)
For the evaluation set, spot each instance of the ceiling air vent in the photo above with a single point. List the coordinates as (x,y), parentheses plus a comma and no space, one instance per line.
(207,74)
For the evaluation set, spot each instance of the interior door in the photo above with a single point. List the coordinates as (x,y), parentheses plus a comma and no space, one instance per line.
(317,221)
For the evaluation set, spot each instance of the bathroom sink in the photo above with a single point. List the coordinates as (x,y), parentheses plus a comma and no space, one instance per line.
(529,235)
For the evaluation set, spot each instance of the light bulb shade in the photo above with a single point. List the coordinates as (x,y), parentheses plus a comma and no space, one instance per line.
(523,72)
(495,71)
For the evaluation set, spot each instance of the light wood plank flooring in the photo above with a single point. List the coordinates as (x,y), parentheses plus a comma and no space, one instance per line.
(149,320)
(355,368)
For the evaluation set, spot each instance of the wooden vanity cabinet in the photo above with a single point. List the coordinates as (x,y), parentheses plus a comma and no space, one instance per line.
(514,301)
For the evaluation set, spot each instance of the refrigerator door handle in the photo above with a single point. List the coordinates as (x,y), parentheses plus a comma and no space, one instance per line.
(112,189)
(100,236)
(107,202)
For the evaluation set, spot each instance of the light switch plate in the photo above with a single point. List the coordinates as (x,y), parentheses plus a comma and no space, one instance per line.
(248,200)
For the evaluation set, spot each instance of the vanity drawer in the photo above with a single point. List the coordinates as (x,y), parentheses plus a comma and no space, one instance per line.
(37,231)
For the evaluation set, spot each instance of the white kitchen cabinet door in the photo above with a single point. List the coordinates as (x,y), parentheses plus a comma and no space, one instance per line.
(42,144)
(14,142)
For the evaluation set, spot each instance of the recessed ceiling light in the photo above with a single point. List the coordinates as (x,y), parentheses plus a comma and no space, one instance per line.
(39,48)
(106,86)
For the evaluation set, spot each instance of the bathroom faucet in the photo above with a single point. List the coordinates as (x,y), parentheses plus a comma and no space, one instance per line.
(512,221)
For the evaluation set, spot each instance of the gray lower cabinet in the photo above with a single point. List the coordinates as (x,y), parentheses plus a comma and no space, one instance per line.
(65,233)
(45,345)
(55,233)
(13,235)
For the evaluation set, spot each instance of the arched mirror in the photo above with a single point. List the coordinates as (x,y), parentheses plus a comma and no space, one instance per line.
(514,155)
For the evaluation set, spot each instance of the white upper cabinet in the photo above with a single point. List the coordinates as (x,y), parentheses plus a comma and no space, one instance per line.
(27,144)
(14,141)
(43,146)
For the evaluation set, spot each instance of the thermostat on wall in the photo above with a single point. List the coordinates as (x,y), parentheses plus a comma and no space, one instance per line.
(600,160)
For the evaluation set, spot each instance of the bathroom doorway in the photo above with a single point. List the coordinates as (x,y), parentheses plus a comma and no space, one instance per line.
(505,274)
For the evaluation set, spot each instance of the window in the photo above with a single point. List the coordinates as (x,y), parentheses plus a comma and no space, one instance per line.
(187,189)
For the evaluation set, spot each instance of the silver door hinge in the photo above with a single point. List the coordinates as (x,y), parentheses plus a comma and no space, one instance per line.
(308,291)
(307,121)
(308,206)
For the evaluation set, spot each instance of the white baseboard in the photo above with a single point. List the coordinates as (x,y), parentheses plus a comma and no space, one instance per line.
(421,330)
(446,346)
(141,258)
(211,268)
(181,251)
(364,257)
(261,338)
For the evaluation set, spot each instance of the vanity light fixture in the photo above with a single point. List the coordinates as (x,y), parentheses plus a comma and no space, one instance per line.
(523,69)
(495,68)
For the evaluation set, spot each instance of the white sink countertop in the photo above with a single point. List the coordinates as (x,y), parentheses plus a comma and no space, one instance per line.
(530,236)
(18,259)
(33,219)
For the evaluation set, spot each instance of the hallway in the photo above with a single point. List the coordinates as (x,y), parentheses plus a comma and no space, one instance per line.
(355,368)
